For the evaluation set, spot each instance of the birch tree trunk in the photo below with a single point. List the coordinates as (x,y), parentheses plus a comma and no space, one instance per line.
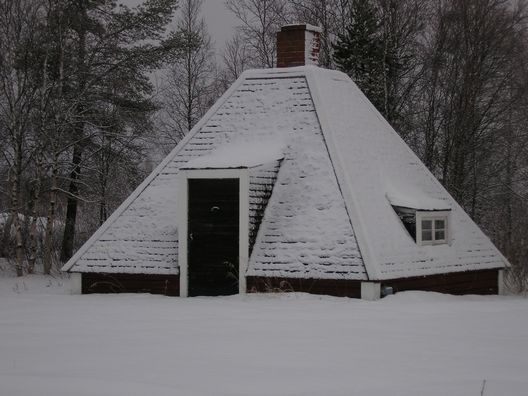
(33,230)
(50,219)
(15,214)
(6,235)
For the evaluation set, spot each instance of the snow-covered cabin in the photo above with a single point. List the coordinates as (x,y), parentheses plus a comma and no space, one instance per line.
(291,181)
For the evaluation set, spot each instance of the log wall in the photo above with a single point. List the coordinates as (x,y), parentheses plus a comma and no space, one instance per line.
(470,282)
(473,282)
(332,287)
(131,283)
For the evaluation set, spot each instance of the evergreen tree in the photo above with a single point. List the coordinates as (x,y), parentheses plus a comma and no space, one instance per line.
(359,51)
(109,54)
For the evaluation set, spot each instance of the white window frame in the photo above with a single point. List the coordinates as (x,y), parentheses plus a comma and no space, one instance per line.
(183,217)
(432,215)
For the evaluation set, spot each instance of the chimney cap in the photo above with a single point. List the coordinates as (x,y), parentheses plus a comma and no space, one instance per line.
(301,26)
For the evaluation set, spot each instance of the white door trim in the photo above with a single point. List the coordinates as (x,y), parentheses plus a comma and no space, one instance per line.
(183,218)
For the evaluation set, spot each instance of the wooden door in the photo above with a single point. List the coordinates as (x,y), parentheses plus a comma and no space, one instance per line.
(213,237)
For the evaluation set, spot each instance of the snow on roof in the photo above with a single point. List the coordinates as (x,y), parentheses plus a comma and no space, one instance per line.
(306,26)
(371,161)
(330,213)
(305,232)
(413,199)
(239,155)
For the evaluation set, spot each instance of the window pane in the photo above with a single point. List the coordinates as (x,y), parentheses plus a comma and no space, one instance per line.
(427,235)
(439,235)
(439,224)
(427,224)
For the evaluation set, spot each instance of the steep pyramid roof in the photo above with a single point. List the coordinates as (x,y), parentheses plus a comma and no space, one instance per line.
(330,213)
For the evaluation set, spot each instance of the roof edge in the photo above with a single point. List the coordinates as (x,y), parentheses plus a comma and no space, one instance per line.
(355,217)
(280,72)
(440,272)
(132,197)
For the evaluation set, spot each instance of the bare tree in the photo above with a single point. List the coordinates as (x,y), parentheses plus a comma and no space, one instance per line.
(507,192)
(236,58)
(19,39)
(472,47)
(402,24)
(259,22)
(471,104)
(190,78)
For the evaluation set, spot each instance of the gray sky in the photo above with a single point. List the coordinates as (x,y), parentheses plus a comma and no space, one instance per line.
(220,22)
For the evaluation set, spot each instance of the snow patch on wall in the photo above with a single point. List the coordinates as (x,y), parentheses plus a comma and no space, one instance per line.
(312,46)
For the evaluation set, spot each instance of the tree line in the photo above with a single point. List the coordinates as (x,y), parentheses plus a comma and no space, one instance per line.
(90,89)
(76,105)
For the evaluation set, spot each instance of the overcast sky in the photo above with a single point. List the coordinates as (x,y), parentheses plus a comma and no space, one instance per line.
(220,22)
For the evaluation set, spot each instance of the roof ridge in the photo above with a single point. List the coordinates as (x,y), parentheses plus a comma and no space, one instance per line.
(346,191)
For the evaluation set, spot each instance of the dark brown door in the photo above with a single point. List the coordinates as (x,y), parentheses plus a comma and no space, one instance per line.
(213,237)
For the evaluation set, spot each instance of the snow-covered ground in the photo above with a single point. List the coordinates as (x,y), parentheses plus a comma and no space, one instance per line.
(53,343)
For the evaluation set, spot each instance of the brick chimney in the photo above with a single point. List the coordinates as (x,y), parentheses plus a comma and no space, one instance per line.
(298,45)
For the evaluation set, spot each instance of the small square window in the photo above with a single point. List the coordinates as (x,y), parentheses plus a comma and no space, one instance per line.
(425,227)
(433,228)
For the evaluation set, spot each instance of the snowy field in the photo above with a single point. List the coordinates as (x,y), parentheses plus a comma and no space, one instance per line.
(53,343)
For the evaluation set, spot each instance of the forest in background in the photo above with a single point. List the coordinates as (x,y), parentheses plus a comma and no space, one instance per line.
(92,93)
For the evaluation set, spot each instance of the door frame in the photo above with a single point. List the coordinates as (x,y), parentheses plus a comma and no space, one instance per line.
(242,174)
